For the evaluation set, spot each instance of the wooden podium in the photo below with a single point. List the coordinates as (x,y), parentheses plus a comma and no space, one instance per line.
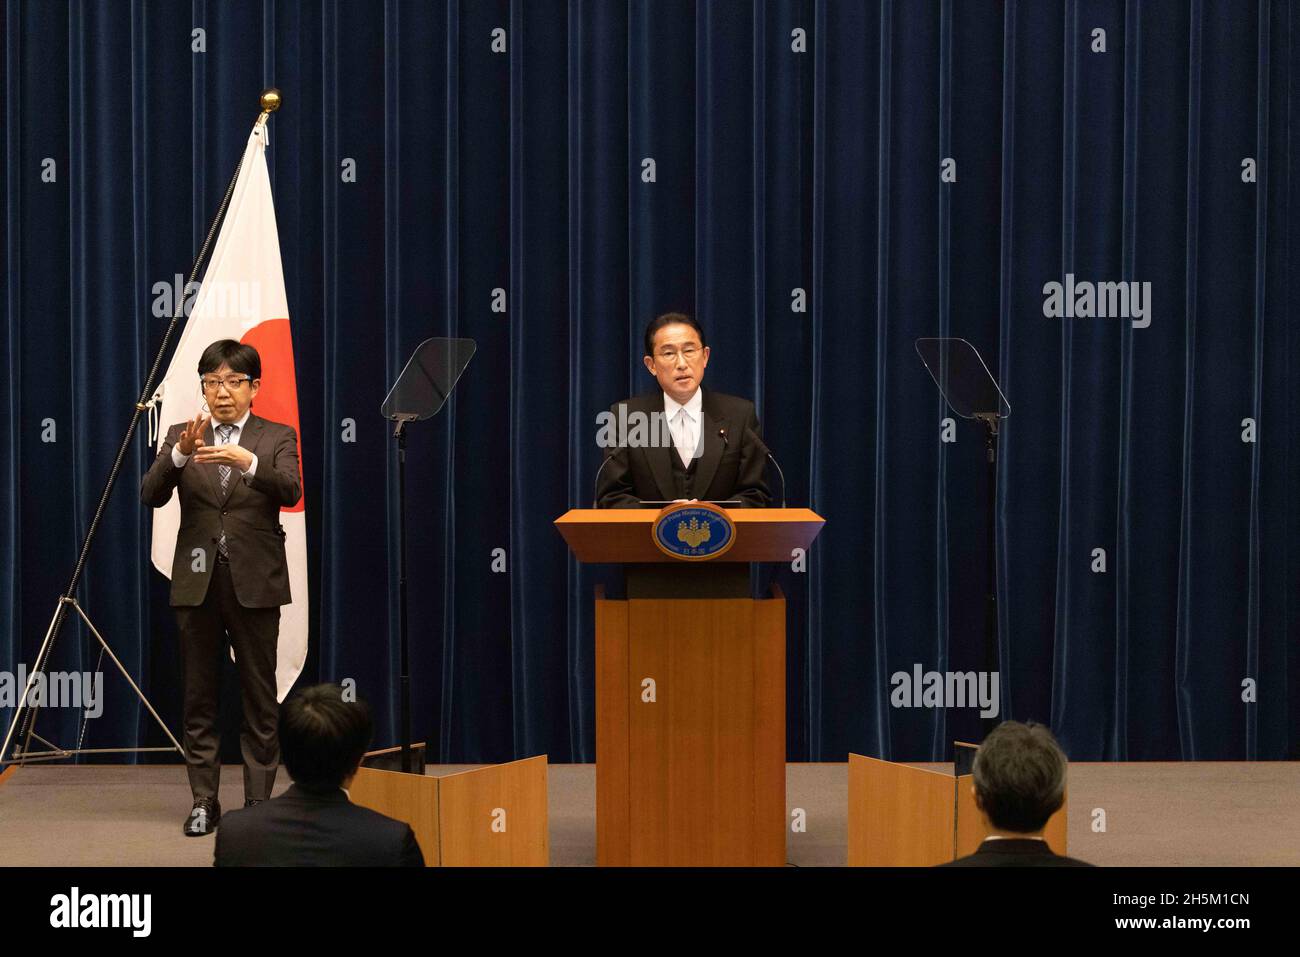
(690,692)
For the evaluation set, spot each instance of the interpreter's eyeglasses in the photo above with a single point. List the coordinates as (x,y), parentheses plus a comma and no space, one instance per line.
(689,353)
(231,382)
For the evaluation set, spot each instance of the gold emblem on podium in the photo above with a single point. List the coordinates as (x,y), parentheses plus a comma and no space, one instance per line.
(692,533)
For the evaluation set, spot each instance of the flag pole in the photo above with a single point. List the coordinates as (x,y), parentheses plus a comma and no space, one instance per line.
(25,714)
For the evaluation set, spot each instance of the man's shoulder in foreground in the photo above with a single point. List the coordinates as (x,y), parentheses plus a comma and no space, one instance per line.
(1013,852)
(304,828)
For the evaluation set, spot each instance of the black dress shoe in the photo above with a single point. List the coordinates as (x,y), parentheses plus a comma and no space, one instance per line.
(251,801)
(203,817)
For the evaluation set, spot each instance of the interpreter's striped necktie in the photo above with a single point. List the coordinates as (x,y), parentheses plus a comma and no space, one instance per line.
(224,471)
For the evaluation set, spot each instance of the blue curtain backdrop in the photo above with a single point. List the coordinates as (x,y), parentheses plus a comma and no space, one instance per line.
(799,208)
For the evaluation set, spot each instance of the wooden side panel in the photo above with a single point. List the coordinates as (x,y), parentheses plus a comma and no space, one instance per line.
(899,816)
(613,832)
(495,816)
(406,797)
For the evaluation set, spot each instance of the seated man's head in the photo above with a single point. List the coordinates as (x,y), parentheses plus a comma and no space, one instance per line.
(323,737)
(676,354)
(1019,777)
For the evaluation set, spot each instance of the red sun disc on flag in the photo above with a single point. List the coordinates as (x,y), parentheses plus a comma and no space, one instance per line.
(277,398)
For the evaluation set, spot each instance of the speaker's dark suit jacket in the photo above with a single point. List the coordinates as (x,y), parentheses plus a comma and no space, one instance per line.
(1010,852)
(302,828)
(249,512)
(730,464)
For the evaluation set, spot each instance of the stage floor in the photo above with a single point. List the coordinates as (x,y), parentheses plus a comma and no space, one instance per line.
(1206,813)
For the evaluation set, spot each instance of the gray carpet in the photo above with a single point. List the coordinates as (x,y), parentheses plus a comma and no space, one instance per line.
(1215,813)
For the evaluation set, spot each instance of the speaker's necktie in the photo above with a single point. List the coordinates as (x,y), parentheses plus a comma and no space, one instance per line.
(224,471)
(685,447)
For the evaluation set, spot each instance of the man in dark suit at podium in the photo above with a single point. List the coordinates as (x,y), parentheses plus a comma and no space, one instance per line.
(1019,777)
(315,823)
(695,443)
(229,571)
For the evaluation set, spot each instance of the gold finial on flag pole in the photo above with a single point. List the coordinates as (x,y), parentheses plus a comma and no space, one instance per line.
(270,101)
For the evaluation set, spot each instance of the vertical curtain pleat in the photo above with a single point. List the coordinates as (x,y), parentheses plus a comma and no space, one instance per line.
(1006,314)
(332,358)
(394,359)
(1184,664)
(80,281)
(445,585)
(1253,583)
(811,715)
(1117,743)
(944,327)
(138,659)
(1279,666)
(13,410)
(881,405)
(1064,648)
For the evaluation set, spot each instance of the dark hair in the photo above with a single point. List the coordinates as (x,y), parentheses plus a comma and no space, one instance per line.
(1020,776)
(667,319)
(323,737)
(240,358)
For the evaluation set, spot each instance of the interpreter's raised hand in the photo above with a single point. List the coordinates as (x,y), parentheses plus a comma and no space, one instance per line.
(192,435)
